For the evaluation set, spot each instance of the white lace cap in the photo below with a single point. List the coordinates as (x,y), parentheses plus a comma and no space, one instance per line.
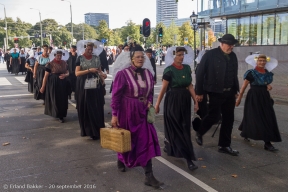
(65,54)
(188,57)
(123,61)
(270,65)
(12,50)
(97,49)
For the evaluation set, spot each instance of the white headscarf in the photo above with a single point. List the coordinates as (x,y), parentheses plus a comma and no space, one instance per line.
(188,57)
(123,61)
(65,54)
(270,65)
(97,49)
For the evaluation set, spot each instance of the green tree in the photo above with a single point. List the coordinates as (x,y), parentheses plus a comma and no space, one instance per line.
(132,31)
(171,35)
(103,31)
(16,28)
(89,32)
(186,31)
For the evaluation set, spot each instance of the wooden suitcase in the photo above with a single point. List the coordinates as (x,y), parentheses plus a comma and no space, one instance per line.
(118,140)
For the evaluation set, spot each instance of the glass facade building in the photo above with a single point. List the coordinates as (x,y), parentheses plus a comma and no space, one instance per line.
(94,18)
(166,10)
(252,22)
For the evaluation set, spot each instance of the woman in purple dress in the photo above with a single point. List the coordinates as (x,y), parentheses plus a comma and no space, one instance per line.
(131,98)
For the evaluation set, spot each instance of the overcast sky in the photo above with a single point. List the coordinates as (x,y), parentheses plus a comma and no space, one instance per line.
(119,10)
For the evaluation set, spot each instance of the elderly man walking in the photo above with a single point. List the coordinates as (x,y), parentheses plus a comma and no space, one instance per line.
(217,75)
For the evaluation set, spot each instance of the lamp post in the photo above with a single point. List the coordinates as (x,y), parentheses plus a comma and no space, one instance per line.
(193,18)
(71,21)
(6,29)
(40,26)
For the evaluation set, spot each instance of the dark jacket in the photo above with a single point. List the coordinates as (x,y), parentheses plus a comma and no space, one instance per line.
(103,60)
(211,72)
(152,60)
(71,65)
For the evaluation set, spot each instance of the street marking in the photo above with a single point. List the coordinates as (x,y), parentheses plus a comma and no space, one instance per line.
(187,175)
(15,95)
(4,81)
(73,104)
(21,79)
(178,170)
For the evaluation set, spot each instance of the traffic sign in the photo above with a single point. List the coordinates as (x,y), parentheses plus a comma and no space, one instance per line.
(185,40)
(103,40)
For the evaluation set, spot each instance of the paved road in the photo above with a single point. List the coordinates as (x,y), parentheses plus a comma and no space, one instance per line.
(53,157)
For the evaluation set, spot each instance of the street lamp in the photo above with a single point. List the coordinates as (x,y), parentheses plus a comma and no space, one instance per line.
(6,29)
(40,26)
(71,21)
(193,18)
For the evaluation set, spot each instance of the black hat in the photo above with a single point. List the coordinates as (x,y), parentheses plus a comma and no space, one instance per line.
(148,50)
(228,39)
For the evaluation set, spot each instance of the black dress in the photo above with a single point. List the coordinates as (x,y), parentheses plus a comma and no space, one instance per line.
(177,113)
(29,76)
(22,68)
(7,59)
(15,63)
(39,77)
(259,120)
(90,102)
(71,67)
(56,98)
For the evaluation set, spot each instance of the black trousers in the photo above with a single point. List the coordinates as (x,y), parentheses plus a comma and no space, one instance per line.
(220,104)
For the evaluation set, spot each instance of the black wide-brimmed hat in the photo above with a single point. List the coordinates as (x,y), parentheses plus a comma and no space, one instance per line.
(228,39)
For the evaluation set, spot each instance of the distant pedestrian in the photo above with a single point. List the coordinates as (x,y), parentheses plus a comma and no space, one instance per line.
(23,57)
(7,60)
(217,76)
(55,87)
(15,62)
(72,67)
(259,119)
(39,72)
(29,64)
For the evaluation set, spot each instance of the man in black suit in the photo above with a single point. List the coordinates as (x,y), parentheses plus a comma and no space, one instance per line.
(217,75)
(152,60)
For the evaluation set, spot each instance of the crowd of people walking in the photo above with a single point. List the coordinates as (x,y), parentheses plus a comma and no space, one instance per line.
(52,77)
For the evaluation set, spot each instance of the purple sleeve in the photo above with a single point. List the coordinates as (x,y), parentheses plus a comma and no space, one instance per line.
(118,89)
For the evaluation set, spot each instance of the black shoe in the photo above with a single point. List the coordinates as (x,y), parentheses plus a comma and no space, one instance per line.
(246,139)
(228,150)
(61,120)
(94,137)
(121,166)
(270,147)
(199,139)
(150,180)
(191,165)
(165,149)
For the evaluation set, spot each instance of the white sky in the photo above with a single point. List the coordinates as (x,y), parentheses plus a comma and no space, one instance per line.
(119,10)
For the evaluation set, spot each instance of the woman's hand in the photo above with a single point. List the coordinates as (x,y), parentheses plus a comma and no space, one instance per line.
(42,89)
(62,76)
(157,109)
(196,107)
(269,87)
(34,75)
(238,101)
(114,122)
(94,70)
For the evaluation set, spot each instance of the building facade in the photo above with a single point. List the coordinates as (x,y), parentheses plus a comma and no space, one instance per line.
(252,22)
(166,10)
(94,18)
